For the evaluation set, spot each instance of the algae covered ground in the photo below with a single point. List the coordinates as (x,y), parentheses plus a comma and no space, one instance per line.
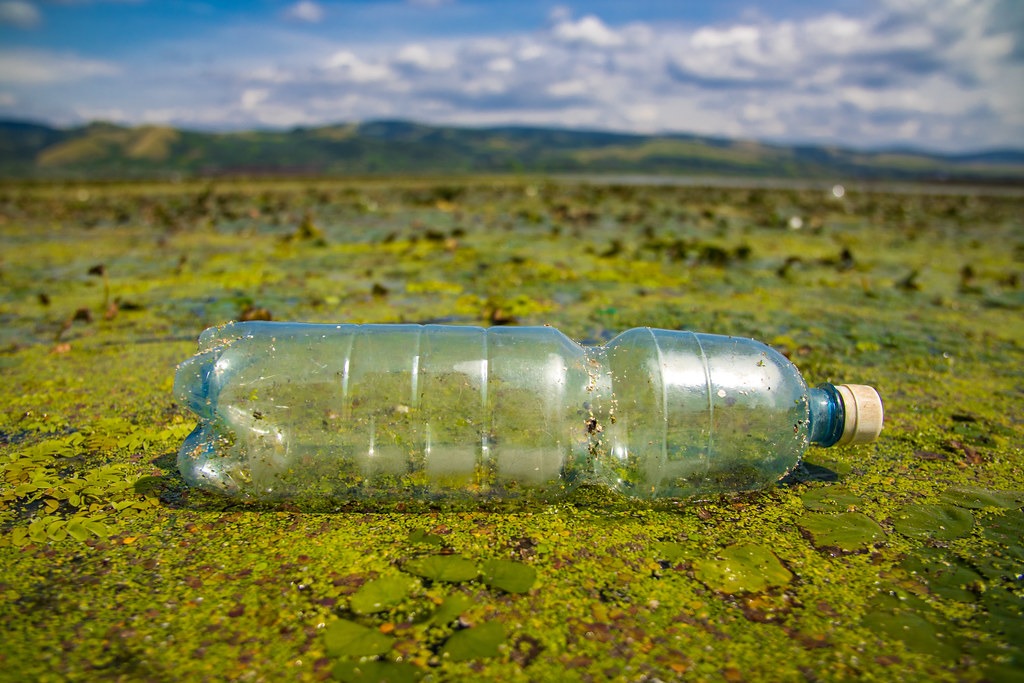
(901,560)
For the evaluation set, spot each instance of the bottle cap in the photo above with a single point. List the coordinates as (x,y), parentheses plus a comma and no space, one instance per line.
(862,407)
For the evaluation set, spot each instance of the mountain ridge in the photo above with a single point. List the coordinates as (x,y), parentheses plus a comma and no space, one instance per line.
(104,150)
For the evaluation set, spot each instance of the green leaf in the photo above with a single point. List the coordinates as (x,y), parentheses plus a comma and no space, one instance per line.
(77,530)
(26,488)
(670,551)
(509,576)
(916,632)
(347,639)
(421,536)
(848,531)
(97,527)
(375,672)
(831,499)
(450,609)
(37,530)
(381,594)
(19,536)
(742,568)
(56,531)
(940,522)
(449,568)
(944,575)
(475,643)
(976,498)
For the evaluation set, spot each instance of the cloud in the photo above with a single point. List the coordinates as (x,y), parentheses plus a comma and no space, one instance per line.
(871,79)
(574,88)
(307,11)
(35,67)
(346,66)
(252,97)
(19,13)
(418,56)
(942,74)
(885,77)
(589,30)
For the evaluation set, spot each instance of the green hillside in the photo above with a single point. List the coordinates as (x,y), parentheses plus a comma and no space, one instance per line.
(104,150)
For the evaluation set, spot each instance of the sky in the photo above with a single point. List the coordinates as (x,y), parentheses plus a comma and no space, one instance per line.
(940,75)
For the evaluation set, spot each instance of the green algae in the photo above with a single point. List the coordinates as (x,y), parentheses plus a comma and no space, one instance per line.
(178,585)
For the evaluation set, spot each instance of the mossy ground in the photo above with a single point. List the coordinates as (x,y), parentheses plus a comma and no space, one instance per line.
(110,569)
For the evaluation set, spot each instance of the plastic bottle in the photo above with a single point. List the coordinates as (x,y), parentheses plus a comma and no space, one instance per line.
(406,412)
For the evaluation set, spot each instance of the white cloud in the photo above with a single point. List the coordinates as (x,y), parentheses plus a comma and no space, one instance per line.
(252,97)
(7,99)
(530,52)
(34,67)
(418,56)
(348,66)
(573,88)
(306,10)
(944,77)
(501,64)
(588,30)
(862,80)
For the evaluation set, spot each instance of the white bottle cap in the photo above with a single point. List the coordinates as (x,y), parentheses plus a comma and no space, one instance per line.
(863,411)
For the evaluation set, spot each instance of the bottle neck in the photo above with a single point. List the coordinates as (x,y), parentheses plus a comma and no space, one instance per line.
(827,415)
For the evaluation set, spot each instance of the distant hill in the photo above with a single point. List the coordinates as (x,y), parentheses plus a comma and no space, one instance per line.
(108,151)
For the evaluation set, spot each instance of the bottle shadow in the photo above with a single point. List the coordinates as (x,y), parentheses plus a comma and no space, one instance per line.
(807,472)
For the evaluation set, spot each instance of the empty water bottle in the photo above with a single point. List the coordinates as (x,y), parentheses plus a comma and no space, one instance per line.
(398,412)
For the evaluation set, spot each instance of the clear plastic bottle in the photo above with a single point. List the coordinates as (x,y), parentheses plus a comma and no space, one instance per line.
(404,412)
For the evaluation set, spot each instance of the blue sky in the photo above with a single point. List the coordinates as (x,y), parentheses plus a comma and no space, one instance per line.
(935,74)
